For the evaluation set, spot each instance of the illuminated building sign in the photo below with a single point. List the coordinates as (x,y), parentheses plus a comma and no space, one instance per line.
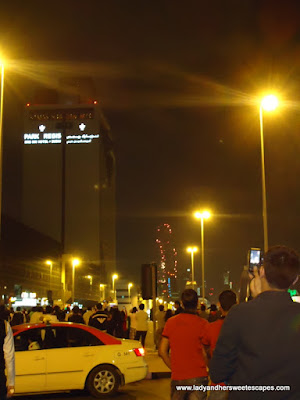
(61,125)
(56,138)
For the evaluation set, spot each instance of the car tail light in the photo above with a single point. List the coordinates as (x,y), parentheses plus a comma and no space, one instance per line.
(139,352)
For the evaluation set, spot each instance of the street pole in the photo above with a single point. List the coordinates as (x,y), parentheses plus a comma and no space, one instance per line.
(1,149)
(73,283)
(263,181)
(192,263)
(202,257)
(154,279)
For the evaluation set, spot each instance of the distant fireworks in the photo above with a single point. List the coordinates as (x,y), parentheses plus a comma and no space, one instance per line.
(167,272)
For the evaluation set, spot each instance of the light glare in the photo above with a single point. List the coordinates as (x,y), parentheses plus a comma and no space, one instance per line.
(269,102)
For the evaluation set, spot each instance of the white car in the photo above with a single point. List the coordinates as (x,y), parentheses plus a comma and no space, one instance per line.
(66,356)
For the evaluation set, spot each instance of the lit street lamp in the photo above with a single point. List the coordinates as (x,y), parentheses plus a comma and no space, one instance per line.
(114,277)
(202,216)
(129,287)
(75,263)
(192,250)
(268,103)
(50,263)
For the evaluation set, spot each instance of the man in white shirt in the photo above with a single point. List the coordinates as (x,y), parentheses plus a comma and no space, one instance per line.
(7,361)
(87,315)
(141,324)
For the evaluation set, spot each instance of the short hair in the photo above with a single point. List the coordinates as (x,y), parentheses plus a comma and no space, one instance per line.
(75,310)
(213,307)
(282,266)
(161,307)
(203,307)
(99,306)
(189,299)
(227,299)
(177,302)
(134,310)
(141,306)
(18,308)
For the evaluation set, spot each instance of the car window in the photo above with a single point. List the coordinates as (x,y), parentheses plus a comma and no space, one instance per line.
(59,337)
(31,339)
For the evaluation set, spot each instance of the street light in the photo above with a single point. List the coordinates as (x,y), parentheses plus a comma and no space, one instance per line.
(268,103)
(114,277)
(49,262)
(192,250)
(75,263)
(1,128)
(202,215)
(129,287)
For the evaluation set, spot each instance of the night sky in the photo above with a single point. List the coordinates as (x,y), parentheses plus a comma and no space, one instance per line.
(177,82)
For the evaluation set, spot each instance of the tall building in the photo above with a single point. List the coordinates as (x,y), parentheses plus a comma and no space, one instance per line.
(68,187)
(167,275)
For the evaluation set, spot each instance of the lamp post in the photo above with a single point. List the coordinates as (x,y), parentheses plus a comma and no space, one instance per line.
(75,263)
(1,128)
(268,103)
(114,277)
(50,263)
(192,250)
(202,216)
(129,287)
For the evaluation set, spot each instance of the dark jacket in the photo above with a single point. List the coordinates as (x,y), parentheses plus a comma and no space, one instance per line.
(17,319)
(76,318)
(259,345)
(99,320)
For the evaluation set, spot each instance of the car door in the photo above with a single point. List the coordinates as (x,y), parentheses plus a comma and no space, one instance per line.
(30,361)
(70,357)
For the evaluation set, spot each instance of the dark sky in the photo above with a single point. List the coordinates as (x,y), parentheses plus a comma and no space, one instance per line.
(177,82)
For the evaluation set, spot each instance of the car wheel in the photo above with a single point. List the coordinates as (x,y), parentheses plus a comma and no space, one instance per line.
(103,380)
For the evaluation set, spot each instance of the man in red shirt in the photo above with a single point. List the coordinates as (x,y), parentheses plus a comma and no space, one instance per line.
(183,334)
(226,299)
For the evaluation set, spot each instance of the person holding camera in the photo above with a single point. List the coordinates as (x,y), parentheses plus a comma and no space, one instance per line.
(258,346)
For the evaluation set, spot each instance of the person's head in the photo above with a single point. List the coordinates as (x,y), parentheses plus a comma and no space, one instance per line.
(89,308)
(141,306)
(227,299)
(99,306)
(49,310)
(39,309)
(189,299)
(134,310)
(177,304)
(213,307)
(75,310)
(169,314)
(18,308)
(203,307)
(281,267)
(161,307)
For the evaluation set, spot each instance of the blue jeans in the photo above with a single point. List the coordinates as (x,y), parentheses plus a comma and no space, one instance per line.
(190,384)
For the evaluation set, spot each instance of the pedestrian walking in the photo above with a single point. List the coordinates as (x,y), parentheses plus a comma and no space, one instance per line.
(182,335)
(132,316)
(7,361)
(141,324)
